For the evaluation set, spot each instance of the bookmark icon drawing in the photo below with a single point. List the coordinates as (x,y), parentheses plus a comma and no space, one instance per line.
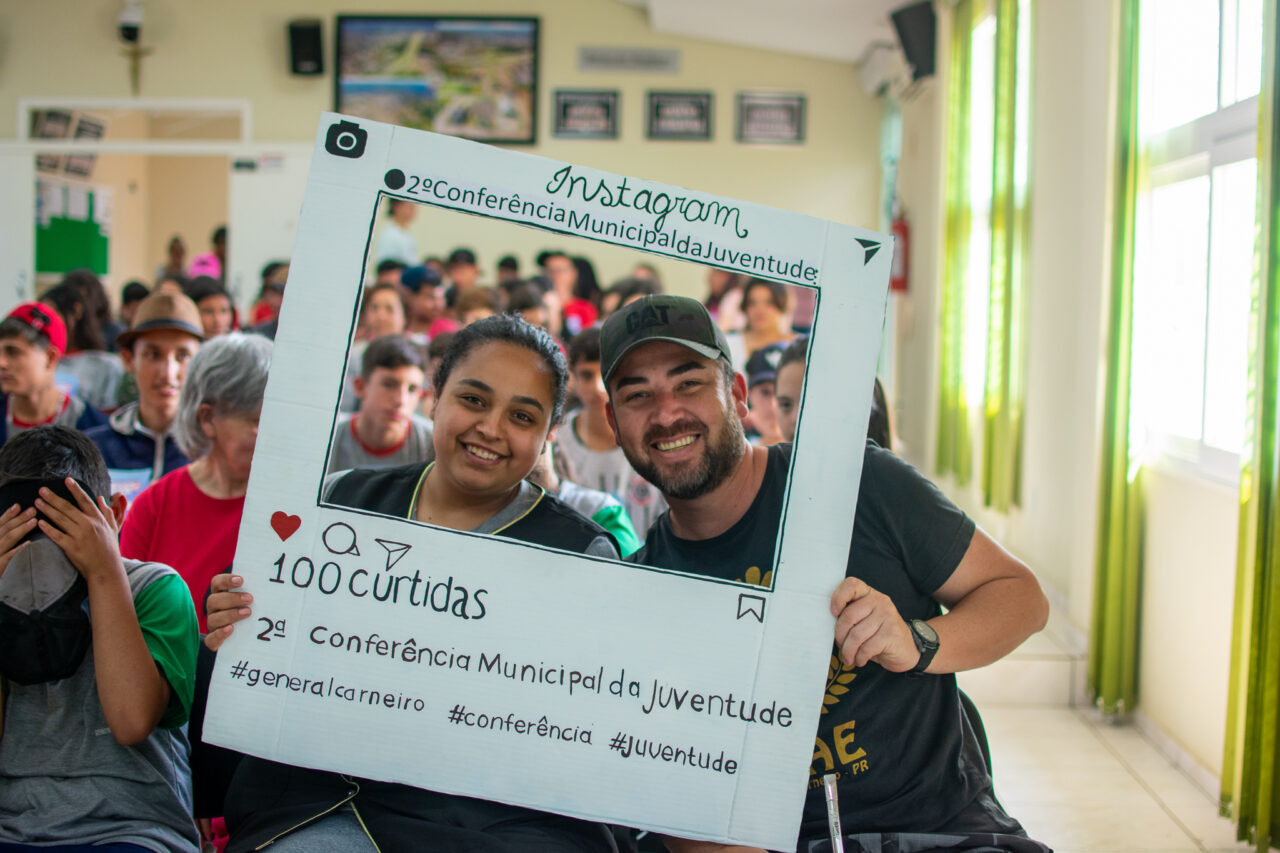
(751,605)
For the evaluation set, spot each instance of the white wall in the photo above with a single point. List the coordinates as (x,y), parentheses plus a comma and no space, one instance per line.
(916,316)
(238,49)
(1187,601)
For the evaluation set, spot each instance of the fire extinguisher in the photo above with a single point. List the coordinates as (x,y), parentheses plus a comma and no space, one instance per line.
(898,270)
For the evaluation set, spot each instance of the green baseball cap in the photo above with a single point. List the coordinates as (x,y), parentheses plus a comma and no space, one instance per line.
(677,319)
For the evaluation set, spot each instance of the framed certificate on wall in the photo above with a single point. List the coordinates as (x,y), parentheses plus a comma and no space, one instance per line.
(765,117)
(585,114)
(679,115)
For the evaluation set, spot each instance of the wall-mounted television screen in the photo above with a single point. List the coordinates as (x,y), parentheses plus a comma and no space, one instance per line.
(475,77)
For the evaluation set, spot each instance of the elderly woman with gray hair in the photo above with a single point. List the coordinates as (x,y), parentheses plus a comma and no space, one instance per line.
(189,518)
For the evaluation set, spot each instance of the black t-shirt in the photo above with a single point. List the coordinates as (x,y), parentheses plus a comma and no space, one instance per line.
(392,491)
(907,760)
(743,552)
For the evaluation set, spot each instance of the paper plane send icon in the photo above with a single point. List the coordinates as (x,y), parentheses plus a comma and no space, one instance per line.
(870,247)
(395,550)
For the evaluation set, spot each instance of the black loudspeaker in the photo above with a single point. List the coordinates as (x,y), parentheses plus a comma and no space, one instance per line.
(306,56)
(917,28)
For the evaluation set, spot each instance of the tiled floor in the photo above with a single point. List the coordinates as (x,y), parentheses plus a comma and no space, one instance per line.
(1083,786)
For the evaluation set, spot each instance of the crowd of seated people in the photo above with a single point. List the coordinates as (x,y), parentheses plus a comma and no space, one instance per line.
(132,435)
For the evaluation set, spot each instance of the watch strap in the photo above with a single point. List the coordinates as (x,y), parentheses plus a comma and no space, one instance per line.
(927,648)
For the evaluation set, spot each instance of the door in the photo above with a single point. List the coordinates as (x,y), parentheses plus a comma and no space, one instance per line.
(264,202)
(17,237)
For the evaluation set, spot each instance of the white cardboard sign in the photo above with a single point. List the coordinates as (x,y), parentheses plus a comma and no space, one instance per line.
(485,667)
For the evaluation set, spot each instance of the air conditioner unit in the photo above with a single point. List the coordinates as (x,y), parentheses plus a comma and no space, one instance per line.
(883,71)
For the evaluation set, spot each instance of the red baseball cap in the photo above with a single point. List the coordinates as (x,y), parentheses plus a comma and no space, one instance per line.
(44,320)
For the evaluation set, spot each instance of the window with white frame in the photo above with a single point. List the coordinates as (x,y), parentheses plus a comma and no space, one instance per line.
(1200,71)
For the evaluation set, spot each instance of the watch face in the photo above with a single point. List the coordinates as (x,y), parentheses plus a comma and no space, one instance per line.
(925,630)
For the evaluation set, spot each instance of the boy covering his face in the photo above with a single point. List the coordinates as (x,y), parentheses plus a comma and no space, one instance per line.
(97,662)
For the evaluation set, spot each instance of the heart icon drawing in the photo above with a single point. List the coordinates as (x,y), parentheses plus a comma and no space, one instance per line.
(285,525)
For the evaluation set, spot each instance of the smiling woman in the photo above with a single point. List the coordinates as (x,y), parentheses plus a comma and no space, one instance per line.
(501,389)
(492,424)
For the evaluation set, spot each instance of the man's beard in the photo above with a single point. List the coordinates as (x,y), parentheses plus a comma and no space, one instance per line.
(698,478)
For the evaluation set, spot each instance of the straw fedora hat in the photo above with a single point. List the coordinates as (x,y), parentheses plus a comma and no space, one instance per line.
(167,311)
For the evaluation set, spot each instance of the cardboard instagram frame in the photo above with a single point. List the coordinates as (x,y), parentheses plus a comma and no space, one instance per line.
(512,672)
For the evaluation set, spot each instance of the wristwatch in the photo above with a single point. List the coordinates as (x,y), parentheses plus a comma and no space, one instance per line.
(926,642)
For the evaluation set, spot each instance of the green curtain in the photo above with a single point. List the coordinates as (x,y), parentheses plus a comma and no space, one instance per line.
(1249,791)
(955,444)
(1004,392)
(1112,672)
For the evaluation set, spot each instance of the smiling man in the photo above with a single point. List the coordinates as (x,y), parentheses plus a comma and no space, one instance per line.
(136,443)
(915,779)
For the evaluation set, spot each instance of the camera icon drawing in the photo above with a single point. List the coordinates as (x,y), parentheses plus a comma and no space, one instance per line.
(346,139)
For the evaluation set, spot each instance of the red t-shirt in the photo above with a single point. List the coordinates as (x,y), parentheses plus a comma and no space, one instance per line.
(260,313)
(578,315)
(173,522)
